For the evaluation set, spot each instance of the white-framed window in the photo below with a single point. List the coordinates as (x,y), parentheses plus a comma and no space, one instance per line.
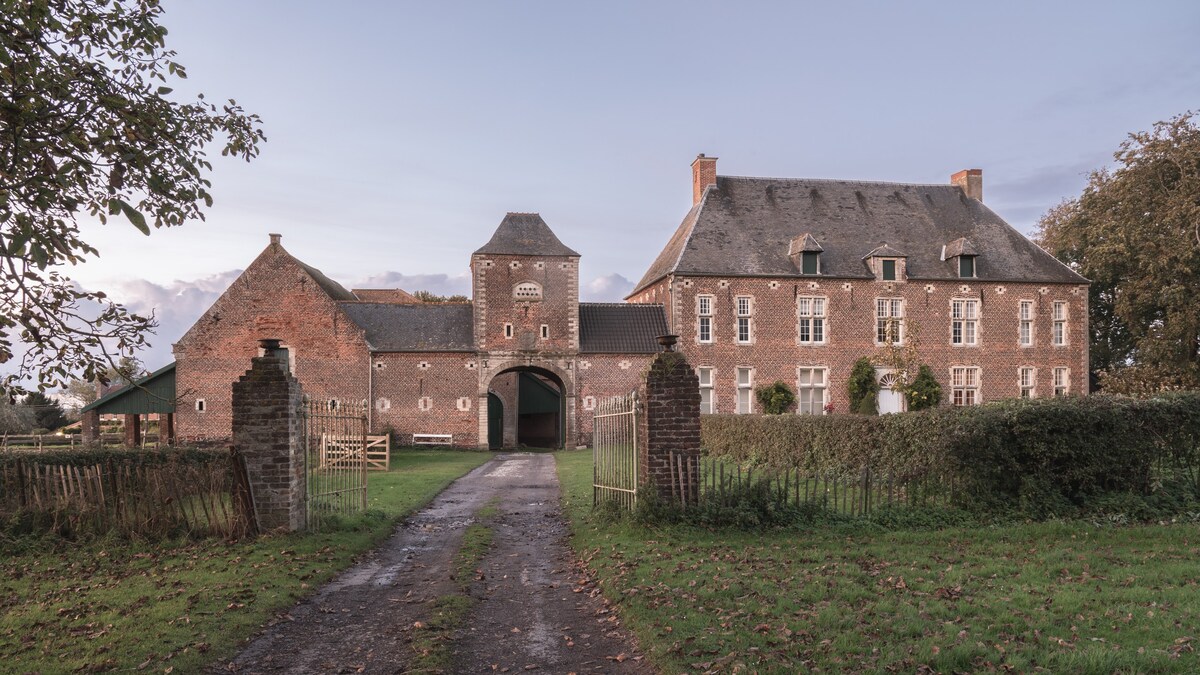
(964,322)
(811,387)
(964,385)
(745,390)
(545,331)
(201,405)
(508,330)
(589,402)
(383,404)
(889,320)
(1062,381)
(745,309)
(1060,323)
(1027,380)
(1025,315)
(708,401)
(811,312)
(463,403)
(425,404)
(704,318)
(527,290)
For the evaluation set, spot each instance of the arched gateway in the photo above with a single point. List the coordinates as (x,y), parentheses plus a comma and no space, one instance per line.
(536,401)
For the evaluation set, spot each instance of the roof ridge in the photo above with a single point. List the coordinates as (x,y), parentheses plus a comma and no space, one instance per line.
(625,304)
(840,180)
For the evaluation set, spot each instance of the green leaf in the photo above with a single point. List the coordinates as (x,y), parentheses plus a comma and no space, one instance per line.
(162,91)
(134,216)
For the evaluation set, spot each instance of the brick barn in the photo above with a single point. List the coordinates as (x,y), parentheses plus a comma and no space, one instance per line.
(765,279)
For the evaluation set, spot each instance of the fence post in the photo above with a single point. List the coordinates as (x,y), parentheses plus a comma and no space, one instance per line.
(268,434)
(670,424)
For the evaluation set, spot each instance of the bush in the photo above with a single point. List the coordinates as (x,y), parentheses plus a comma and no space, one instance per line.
(1040,458)
(863,386)
(924,392)
(776,399)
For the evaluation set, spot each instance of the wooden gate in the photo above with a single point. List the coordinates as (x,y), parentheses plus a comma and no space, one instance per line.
(335,444)
(614,451)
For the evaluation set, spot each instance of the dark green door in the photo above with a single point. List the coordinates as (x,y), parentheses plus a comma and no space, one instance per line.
(495,421)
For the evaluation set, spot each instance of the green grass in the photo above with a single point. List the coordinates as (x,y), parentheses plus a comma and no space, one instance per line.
(109,605)
(1059,596)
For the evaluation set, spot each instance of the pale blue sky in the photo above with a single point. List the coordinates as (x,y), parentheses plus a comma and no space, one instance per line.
(400,133)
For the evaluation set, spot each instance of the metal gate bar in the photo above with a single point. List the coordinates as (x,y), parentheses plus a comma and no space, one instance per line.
(335,443)
(614,451)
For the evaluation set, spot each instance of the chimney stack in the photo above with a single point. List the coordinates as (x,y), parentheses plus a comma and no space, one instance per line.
(971,182)
(275,238)
(704,173)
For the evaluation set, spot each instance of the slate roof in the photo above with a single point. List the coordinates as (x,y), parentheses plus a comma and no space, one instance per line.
(388,295)
(960,246)
(524,234)
(884,251)
(619,328)
(804,244)
(743,227)
(391,327)
(333,288)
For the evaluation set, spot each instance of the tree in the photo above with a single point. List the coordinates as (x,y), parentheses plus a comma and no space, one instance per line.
(924,391)
(90,129)
(776,399)
(15,419)
(1135,232)
(863,388)
(428,297)
(83,392)
(48,414)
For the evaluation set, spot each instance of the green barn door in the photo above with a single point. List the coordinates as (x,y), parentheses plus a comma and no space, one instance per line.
(495,422)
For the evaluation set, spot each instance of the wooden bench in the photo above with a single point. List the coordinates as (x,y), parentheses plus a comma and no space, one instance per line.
(433,439)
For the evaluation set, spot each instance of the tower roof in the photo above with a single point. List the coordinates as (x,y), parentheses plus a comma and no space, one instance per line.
(524,234)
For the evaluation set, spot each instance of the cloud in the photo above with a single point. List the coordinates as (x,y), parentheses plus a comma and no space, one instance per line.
(438,284)
(609,288)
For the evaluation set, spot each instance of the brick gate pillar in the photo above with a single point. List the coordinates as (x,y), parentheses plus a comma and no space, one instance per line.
(268,432)
(670,425)
(90,427)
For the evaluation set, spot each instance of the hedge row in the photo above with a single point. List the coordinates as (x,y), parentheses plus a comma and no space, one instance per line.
(123,456)
(998,455)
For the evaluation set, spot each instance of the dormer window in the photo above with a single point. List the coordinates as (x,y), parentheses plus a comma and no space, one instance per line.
(886,263)
(805,253)
(962,253)
(527,291)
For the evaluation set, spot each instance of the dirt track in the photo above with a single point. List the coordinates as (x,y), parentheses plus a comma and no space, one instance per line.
(527,617)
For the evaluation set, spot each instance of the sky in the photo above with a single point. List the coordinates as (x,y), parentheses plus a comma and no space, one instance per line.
(399,134)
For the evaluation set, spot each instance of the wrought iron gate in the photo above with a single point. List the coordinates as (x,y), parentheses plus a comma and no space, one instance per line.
(335,446)
(614,451)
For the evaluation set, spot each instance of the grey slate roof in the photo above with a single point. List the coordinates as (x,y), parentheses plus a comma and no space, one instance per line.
(333,288)
(619,328)
(743,227)
(524,234)
(393,327)
(960,246)
(804,244)
(885,251)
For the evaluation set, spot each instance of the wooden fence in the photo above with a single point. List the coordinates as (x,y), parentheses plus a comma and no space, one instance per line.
(146,499)
(340,451)
(852,494)
(49,442)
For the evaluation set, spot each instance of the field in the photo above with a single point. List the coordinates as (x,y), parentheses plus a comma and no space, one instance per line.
(120,605)
(1056,597)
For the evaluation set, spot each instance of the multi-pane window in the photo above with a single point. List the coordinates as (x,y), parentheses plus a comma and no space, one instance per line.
(744,308)
(889,320)
(704,313)
(707,403)
(745,390)
(1062,381)
(964,321)
(1027,377)
(1025,314)
(964,385)
(1060,323)
(812,383)
(812,320)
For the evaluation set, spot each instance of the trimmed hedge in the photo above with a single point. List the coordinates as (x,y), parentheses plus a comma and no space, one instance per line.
(123,456)
(1043,457)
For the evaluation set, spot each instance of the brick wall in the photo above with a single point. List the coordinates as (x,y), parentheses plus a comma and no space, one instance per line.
(274,298)
(267,430)
(670,422)
(601,376)
(775,353)
(426,393)
(494,279)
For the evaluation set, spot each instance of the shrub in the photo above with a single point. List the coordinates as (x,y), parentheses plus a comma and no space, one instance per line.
(924,392)
(862,386)
(776,399)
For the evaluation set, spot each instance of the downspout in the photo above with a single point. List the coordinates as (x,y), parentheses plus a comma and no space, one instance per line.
(370,391)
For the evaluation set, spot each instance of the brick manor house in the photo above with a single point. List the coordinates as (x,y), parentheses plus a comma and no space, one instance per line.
(765,279)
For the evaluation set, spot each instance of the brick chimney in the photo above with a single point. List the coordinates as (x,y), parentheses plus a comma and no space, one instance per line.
(971,181)
(275,238)
(704,173)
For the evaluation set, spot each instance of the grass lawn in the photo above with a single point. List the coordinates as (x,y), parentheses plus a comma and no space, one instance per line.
(124,605)
(1061,597)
